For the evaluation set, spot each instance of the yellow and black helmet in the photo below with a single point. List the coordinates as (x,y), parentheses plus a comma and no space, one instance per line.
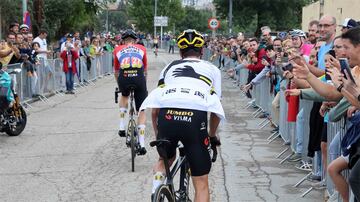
(190,38)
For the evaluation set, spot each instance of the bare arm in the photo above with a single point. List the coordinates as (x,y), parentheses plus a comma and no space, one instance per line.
(154,115)
(214,123)
(324,89)
(4,53)
(316,71)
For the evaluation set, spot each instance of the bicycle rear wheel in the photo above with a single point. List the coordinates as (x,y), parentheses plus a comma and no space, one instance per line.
(132,128)
(163,194)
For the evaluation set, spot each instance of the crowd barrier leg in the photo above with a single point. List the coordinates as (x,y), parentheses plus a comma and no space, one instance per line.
(272,137)
(285,159)
(262,122)
(283,151)
(303,179)
(307,192)
(268,121)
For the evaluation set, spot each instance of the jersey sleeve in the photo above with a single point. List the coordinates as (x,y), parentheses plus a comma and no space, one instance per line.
(116,61)
(217,81)
(161,81)
(145,59)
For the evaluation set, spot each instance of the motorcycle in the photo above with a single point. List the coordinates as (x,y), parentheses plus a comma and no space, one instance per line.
(13,119)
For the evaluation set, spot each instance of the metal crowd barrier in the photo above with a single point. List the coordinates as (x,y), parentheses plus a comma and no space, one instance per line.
(287,131)
(49,77)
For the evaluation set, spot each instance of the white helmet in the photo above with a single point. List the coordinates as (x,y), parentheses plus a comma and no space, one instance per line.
(297,32)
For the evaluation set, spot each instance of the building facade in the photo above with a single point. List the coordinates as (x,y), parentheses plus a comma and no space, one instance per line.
(340,9)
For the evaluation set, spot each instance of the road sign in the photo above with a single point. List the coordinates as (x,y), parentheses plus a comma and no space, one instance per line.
(160,21)
(213,23)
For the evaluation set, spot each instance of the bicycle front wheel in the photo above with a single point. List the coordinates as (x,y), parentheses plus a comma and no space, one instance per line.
(163,194)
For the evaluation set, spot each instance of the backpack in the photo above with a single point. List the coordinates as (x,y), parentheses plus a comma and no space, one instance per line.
(5,86)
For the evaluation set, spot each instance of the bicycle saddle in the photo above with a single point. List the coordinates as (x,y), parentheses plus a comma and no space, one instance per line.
(132,87)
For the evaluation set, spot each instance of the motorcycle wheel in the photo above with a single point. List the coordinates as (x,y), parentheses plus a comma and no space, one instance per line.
(20,125)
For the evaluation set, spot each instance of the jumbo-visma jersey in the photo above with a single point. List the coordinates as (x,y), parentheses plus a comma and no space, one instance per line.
(130,56)
(188,84)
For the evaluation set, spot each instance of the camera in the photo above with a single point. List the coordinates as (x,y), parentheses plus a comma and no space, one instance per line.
(288,67)
(243,52)
(279,50)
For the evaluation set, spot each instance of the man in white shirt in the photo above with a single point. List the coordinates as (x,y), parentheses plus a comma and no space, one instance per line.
(41,39)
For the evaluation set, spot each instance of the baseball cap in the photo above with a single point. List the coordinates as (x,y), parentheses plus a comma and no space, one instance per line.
(349,23)
(24,26)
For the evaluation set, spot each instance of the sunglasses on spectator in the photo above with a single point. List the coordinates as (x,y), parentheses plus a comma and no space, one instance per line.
(325,25)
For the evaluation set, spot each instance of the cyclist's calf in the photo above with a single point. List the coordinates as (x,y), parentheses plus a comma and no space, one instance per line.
(201,186)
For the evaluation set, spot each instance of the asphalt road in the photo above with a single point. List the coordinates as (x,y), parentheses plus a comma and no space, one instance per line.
(70,151)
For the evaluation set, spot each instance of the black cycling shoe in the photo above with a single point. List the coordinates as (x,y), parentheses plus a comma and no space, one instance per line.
(142,151)
(122,133)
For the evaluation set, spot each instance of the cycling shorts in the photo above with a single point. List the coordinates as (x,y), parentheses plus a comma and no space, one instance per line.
(189,127)
(133,78)
(156,45)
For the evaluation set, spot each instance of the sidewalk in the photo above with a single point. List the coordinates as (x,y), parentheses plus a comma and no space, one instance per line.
(250,170)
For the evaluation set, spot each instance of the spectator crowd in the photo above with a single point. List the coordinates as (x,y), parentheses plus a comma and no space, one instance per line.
(316,65)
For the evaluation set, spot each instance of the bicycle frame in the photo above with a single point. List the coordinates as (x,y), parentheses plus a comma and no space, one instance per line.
(180,164)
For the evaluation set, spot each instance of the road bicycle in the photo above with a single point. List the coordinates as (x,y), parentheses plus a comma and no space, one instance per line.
(166,191)
(132,138)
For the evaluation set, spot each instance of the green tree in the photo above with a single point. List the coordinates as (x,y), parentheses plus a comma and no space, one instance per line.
(279,15)
(142,11)
(194,19)
(10,11)
(118,19)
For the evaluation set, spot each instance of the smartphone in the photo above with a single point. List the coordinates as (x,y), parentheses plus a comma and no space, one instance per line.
(344,64)
(288,67)
(332,53)
(285,59)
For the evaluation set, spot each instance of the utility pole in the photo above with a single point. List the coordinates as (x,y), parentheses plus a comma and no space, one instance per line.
(154,18)
(107,19)
(24,8)
(213,15)
(230,15)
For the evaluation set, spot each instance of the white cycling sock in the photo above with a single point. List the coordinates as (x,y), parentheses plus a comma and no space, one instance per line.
(157,181)
(141,129)
(122,118)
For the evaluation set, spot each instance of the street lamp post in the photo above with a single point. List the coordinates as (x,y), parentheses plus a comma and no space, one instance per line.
(155,14)
(230,15)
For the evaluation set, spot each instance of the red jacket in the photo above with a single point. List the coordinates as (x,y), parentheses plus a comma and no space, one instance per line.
(64,56)
(257,67)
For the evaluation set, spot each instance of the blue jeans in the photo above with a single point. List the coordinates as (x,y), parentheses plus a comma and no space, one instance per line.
(334,147)
(69,80)
(300,131)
